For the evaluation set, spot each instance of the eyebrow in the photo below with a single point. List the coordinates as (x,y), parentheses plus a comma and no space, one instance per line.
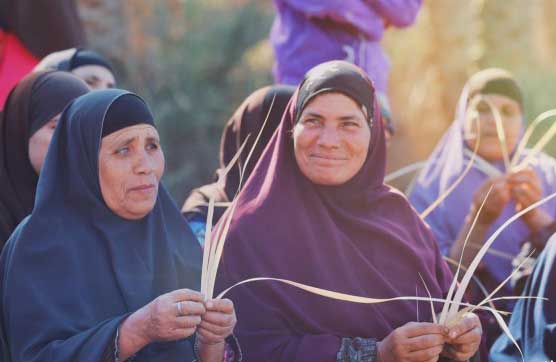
(349,117)
(313,114)
(126,142)
(129,140)
(342,118)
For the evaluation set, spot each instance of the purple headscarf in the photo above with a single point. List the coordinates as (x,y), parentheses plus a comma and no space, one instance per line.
(361,238)
(446,164)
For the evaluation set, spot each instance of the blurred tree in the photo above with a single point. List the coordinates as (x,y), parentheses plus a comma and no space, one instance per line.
(196,60)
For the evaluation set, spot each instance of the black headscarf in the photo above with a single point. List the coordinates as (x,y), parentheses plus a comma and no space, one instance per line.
(31,104)
(495,81)
(44,26)
(70,59)
(246,121)
(74,270)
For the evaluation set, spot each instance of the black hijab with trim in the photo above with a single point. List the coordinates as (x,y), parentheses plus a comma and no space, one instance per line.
(74,270)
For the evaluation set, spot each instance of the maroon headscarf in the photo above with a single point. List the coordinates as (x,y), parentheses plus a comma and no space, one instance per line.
(361,238)
(44,26)
(246,122)
(33,102)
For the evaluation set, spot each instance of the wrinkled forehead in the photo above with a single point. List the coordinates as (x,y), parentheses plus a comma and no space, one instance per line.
(130,134)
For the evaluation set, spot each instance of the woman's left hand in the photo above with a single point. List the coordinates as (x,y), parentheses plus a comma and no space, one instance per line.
(217,323)
(526,189)
(463,339)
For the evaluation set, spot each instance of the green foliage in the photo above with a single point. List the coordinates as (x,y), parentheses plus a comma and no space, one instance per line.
(199,80)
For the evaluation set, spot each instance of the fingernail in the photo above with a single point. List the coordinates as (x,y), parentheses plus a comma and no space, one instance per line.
(452,334)
(210,304)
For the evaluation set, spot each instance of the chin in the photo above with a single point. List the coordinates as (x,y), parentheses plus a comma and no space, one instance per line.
(140,211)
(331,180)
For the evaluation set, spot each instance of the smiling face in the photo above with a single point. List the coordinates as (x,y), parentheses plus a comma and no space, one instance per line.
(131,164)
(331,139)
(489,145)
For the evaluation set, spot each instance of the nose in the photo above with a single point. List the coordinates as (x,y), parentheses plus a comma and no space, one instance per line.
(329,138)
(144,164)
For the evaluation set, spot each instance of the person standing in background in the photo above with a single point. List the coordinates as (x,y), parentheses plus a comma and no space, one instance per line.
(306,33)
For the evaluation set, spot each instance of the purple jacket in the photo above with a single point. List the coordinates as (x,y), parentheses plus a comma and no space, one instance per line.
(309,32)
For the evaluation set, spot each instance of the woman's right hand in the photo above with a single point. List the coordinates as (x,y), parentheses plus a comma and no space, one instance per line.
(496,201)
(413,342)
(173,316)
(170,317)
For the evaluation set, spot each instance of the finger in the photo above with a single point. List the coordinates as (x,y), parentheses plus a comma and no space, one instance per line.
(528,192)
(519,197)
(533,186)
(454,355)
(188,322)
(423,342)
(220,305)
(501,191)
(207,335)
(216,329)
(182,333)
(467,323)
(473,336)
(192,308)
(466,349)
(425,354)
(414,329)
(186,294)
(219,319)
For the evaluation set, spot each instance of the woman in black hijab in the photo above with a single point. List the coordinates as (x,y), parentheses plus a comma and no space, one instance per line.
(105,267)
(26,128)
(268,103)
(86,64)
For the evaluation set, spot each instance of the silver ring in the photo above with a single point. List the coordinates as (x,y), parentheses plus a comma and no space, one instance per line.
(180,311)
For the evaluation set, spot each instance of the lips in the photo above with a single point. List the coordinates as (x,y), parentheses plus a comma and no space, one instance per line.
(143,188)
(328,158)
(327,161)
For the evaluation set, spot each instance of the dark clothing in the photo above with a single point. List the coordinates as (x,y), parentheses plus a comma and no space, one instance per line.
(74,270)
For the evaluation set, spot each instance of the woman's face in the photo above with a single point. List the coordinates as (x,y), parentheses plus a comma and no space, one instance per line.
(131,164)
(96,76)
(331,139)
(39,142)
(489,145)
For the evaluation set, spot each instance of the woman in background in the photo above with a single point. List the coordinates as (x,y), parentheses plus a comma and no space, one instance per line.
(26,128)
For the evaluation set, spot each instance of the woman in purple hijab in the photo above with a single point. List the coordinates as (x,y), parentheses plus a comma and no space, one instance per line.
(511,189)
(316,211)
